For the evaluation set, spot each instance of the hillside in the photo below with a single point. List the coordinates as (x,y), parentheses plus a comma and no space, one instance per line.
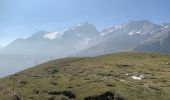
(129,76)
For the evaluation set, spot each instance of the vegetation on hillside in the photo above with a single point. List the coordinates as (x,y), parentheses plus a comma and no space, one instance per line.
(118,76)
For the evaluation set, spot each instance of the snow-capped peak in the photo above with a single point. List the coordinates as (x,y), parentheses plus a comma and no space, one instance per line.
(54,35)
(113,29)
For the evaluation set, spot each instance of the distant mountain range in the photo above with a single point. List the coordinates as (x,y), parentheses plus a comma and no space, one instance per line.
(133,36)
(84,40)
(159,42)
(43,46)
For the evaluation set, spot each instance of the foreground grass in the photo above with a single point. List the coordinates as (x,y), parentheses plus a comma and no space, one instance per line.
(93,76)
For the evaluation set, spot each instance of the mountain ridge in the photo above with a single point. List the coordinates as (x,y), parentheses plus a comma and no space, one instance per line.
(42,45)
(124,37)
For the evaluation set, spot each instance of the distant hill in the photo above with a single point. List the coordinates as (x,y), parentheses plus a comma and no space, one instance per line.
(120,76)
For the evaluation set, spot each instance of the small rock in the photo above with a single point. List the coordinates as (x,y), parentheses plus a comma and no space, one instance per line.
(35,91)
(22,82)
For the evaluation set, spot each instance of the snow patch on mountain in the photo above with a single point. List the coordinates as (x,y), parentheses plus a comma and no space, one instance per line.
(53,35)
(111,30)
(132,33)
(118,27)
(139,32)
(86,41)
(165,27)
(115,28)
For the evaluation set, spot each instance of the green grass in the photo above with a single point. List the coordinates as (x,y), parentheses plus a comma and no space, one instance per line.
(95,75)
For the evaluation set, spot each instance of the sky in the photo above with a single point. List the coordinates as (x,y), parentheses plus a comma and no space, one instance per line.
(22,18)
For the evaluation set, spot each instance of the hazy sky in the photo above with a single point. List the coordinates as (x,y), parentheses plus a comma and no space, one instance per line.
(21,18)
